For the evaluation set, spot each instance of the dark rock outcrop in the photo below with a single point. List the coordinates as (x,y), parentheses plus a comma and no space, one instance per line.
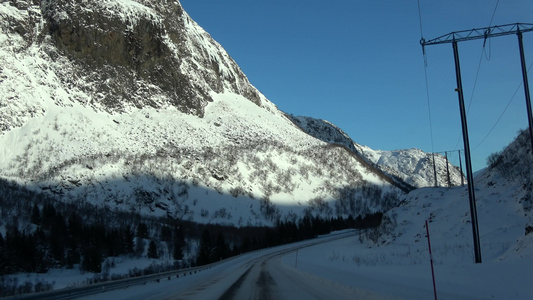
(145,53)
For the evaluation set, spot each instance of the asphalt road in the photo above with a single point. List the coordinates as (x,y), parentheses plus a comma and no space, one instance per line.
(268,278)
(259,275)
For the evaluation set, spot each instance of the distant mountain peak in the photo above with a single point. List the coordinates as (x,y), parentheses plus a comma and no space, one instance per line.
(410,167)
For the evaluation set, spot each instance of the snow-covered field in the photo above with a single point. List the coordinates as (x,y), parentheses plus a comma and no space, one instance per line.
(399,263)
(395,271)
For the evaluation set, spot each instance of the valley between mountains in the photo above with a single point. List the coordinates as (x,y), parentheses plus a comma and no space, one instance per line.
(132,143)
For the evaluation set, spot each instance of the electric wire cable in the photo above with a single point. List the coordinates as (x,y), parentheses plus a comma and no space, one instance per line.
(503,112)
(490,24)
(483,53)
(426,78)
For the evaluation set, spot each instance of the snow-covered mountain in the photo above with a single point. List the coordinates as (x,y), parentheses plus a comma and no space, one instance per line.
(113,56)
(393,260)
(415,166)
(504,203)
(131,105)
(411,166)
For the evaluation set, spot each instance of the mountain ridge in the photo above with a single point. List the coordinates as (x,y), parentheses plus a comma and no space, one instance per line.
(411,168)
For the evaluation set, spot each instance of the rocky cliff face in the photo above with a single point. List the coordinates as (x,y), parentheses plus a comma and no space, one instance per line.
(128,51)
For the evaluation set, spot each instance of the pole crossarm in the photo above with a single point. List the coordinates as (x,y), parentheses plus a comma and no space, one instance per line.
(479,33)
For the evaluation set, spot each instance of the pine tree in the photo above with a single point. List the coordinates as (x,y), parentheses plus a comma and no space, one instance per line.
(205,249)
(57,239)
(177,254)
(113,242)
(92,260)
(48,215)
(3,256)
(73,256)
(42,241)
(246,245)
(152,250)
(179,242)
(139,247)
(127,239)
(142,231)
(165,234)
(222,249)
(35,215)
(13,248)
(75,225)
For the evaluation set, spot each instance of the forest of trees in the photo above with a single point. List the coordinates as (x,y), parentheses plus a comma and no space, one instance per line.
(42,234)
(213,248)
(55,241)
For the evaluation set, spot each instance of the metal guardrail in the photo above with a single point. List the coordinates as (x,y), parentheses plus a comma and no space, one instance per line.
(91,289)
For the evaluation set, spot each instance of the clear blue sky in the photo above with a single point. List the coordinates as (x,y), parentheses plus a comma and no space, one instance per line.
(359,65)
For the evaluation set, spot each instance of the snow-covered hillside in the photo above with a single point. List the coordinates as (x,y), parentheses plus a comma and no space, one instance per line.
(415,166)
(504,202)
(110,55)
(131,105)
(394,259)
(411,166)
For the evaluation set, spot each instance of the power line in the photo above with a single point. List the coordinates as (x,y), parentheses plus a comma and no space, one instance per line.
(427,92)
(483,51)
(479,66)
(475,82)
(503,112)
(420,19)
(490,24)
(429,109)
(426,78)
(493,13)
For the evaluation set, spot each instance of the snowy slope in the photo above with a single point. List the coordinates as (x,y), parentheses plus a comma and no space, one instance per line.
(503,203)
(111,55)
(412,166)
(395,260)
(131,105)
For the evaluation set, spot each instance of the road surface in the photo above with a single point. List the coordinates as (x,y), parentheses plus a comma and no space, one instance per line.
(260,275)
